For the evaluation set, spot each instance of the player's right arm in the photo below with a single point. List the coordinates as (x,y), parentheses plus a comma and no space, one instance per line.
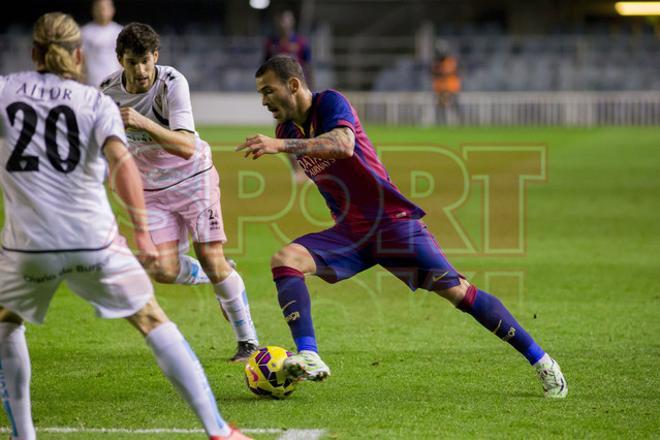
(179,138)
(126,182)
(180,143)
(338,143)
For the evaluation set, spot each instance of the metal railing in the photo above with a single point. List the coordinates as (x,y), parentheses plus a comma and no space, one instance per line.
(474,108)
(511,108)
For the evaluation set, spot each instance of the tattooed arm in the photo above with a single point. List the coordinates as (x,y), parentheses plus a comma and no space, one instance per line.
(335,144)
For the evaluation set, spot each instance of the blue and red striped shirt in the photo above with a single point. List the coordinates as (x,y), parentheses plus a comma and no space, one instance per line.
(358,190)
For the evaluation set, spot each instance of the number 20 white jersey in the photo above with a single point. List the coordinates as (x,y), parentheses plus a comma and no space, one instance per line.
(52,167)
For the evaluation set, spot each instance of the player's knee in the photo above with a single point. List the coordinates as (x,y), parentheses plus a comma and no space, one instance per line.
(455,294)
(165,277)
(286,257)
(166,273)
(212,259)
(296,257)
(283,257)
(217,269)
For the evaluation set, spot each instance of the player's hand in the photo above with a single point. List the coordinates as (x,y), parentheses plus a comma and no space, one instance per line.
(132,118)
(147,251)
(259,145)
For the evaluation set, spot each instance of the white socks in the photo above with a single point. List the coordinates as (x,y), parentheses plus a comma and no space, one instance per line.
(190,271)
(15,372)
(232,298)
(180,365)
(173,354)
(230,294)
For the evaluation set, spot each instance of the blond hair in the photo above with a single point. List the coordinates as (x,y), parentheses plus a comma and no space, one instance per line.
(55,37)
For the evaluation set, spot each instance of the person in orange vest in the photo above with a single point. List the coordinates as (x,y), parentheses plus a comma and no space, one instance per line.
(446,84)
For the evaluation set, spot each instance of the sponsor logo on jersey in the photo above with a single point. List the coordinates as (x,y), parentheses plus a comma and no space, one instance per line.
(314,165)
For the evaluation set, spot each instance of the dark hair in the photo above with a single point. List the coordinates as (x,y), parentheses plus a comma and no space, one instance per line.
(283,66)
(139,38)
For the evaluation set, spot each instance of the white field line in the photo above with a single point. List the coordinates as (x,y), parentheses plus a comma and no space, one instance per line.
(302,434)
(286,434)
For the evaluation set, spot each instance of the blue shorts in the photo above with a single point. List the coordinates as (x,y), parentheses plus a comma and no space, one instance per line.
(405,248)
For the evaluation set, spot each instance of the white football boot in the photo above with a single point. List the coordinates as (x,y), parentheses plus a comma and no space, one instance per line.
(306,365)
(551,377)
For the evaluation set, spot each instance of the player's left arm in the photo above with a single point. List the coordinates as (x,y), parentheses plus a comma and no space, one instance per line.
(338,143)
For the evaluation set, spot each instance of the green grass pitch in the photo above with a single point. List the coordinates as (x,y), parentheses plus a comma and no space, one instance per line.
(581,273)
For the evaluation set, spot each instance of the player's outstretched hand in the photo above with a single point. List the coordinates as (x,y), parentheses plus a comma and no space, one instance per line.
(259,145)
(147,251)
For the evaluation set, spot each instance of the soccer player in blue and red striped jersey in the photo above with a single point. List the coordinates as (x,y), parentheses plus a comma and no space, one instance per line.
(374,222)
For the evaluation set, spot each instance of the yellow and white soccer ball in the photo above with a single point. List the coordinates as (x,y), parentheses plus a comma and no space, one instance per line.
(264,374)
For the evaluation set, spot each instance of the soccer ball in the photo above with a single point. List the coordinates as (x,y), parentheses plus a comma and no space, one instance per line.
(264,374)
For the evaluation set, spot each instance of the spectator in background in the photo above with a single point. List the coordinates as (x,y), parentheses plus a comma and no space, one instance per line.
(99,39)
(287,42)
(446,86)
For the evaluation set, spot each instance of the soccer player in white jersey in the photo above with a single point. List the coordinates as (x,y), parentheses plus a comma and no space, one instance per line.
(60,139)
(181,184)
(99,38)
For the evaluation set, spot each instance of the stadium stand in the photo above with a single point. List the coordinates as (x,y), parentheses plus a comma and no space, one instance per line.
(489,60)
(516,66)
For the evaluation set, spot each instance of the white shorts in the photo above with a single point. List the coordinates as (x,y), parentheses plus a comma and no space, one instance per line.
(112,280)
(190,207)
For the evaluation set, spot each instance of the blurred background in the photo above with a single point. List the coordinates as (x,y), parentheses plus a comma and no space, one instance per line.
(416,62)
